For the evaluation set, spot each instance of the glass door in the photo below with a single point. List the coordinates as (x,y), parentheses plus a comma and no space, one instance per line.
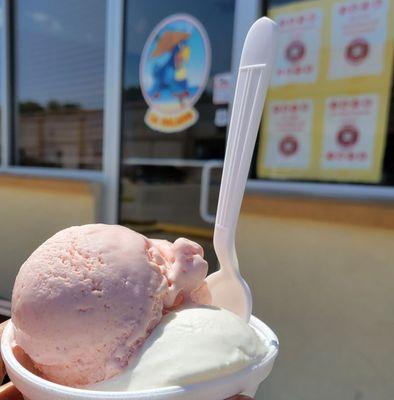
(176,90)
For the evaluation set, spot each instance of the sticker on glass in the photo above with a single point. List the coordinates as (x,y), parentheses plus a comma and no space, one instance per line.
(289,134)
(297,57)
(349,131)
(222,88)
(358,37)
(174,69)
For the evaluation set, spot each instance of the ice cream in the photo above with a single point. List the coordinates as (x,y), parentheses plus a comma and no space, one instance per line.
(190,345)
(88,298)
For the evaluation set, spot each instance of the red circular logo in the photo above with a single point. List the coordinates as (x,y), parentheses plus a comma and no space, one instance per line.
(288,146)
(356,51)
(295,51)
(347,136)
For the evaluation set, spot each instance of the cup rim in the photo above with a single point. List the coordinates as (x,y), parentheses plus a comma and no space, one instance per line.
(263,331)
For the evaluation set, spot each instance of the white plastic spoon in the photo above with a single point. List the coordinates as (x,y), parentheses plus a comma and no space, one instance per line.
(228,288)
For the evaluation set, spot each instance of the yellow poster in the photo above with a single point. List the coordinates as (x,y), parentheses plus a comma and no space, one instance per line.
(290,133)
(335,57)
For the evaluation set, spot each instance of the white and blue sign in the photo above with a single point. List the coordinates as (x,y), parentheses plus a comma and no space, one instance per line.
(174,69)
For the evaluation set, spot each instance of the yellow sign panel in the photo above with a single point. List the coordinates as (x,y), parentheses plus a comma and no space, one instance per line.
(326,113)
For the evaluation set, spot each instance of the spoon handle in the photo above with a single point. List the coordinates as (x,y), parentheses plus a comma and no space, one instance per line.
(252,83)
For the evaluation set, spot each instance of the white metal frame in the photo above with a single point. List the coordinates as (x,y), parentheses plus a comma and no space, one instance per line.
(165,162)
(6,88)
(246,12)
(112,110)
(322,190)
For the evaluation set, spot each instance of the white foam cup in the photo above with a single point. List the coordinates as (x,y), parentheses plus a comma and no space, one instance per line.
(245,381)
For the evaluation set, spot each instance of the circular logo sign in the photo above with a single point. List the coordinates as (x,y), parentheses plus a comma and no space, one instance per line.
(347,136)
(174,69)
(356,51)
(295,51)
(288,146)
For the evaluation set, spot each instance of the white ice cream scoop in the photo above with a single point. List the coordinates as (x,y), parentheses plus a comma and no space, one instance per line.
(228,288)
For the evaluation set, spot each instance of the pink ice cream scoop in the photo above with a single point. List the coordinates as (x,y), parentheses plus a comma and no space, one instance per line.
(89,296)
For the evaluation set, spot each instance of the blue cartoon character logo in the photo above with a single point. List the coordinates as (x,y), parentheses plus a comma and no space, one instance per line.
(174,69)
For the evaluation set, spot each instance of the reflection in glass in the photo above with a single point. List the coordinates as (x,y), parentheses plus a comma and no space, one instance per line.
(59,51)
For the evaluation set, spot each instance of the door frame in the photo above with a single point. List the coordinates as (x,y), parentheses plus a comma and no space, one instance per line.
(245,14)
(114,48)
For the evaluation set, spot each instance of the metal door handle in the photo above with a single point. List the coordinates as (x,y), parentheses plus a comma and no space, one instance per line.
(205,189)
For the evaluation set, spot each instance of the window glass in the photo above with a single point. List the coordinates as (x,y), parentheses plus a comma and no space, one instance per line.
(59,76)
(329,115)
(204,139)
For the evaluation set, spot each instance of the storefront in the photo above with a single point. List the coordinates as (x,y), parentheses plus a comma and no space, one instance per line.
(77,83)
(75,98)
(116,111)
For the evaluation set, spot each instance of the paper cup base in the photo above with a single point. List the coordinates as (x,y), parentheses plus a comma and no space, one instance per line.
(245,381)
